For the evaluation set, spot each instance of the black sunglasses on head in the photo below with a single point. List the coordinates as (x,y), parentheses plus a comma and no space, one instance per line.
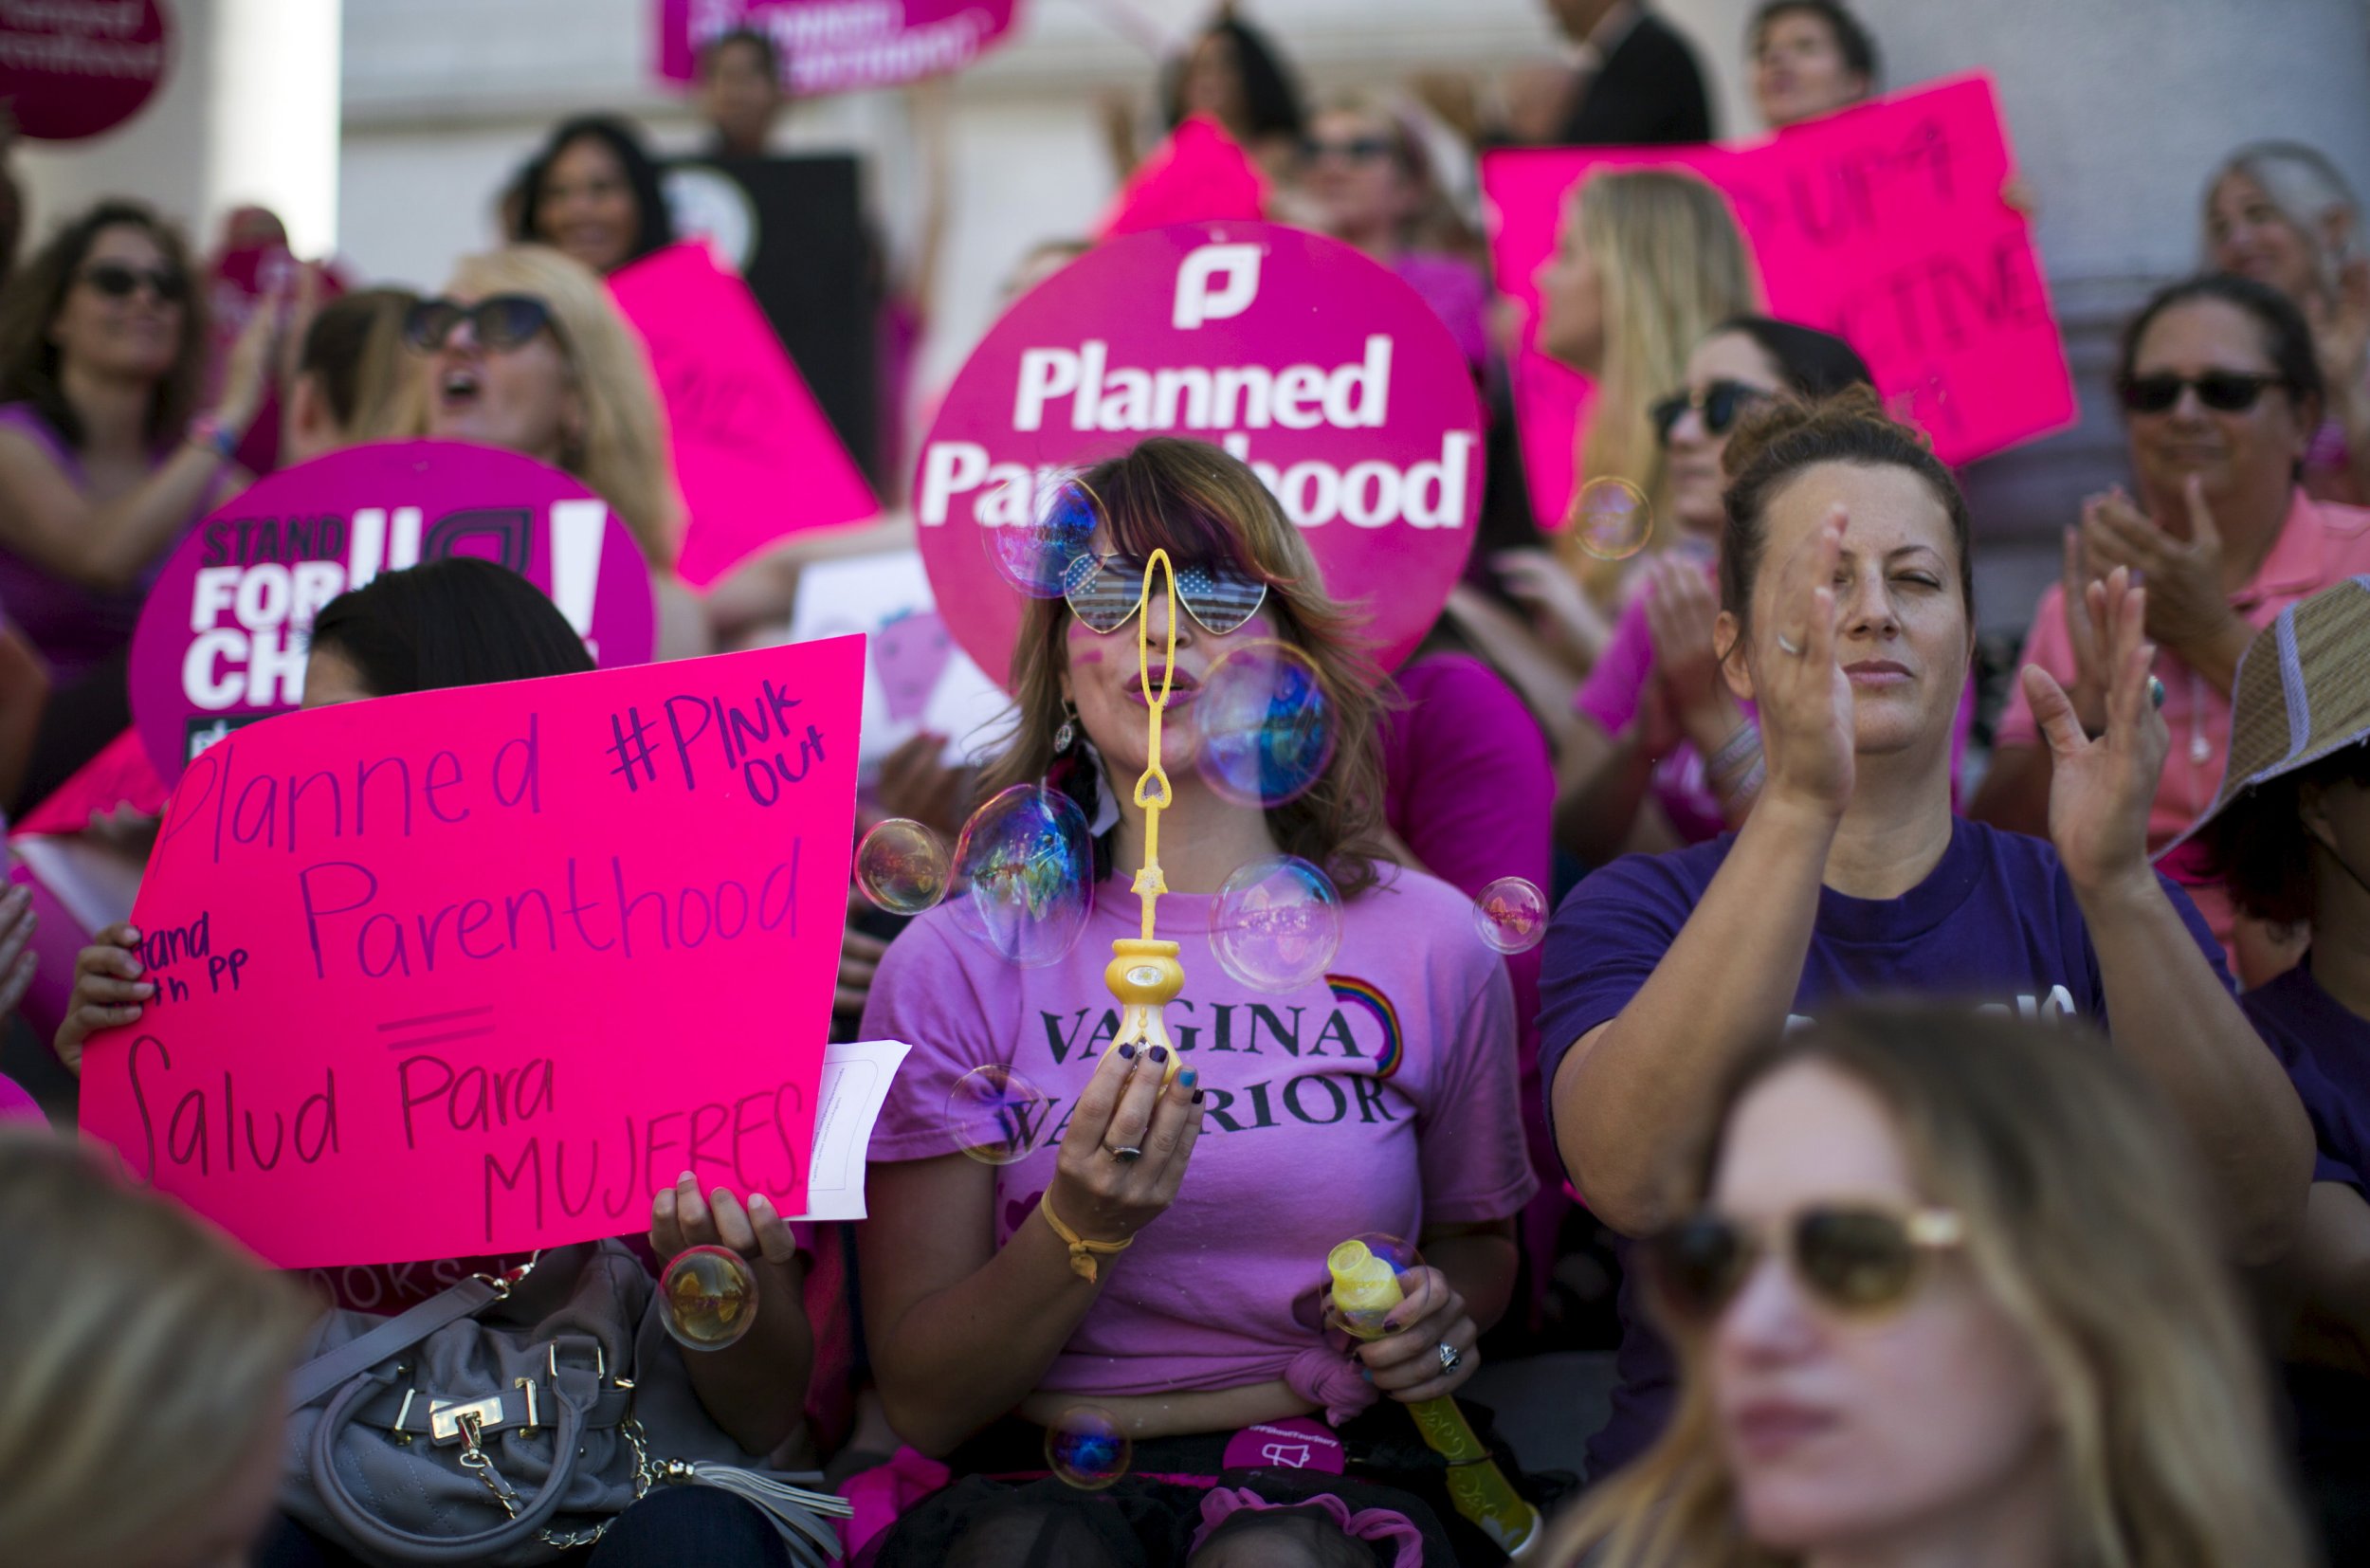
(1720,404)
(2224,392)
(500,322)
(121,281)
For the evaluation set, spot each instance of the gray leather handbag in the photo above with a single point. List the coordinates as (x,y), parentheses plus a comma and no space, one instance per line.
(503,1422)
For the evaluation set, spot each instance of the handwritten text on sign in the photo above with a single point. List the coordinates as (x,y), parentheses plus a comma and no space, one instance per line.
(1884,225)
(479,970)
(838,46)
(1312,363)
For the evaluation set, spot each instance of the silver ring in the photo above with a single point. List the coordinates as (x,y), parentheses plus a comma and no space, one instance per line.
(1789,646)
(1450,1359)
(1126,1154)
(2156,692)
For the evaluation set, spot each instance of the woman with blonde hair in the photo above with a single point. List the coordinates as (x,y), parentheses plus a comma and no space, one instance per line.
(1941,1295)
(143,1364)
(1113,1261)
(526,351)
(1647,263)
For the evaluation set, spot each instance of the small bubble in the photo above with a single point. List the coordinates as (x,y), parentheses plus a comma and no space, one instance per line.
(1511,914)
(1086,1448)
(1027,864)
(1264,726)
(901,867)
(1611,518)
(994,1114)
(707,1297)
(1276,925)
(1037,536)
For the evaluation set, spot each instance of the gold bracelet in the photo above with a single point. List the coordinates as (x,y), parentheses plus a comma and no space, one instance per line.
(1081,1251)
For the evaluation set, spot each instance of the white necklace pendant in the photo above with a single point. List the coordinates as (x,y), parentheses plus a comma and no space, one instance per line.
(2200,751)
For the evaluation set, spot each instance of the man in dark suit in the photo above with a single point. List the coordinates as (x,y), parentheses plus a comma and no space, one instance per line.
(1637,83)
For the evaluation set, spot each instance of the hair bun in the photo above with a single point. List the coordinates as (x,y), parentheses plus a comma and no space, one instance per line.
(1780,418)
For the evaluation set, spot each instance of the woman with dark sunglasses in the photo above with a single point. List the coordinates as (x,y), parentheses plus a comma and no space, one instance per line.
(1157,1250)
(1941,1296)
(2221,393)
(1653,713)
(525,351)
(1848,618)
(102,468)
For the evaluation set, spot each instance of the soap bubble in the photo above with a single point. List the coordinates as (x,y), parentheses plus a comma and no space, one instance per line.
(901,867)
(1086,1448)
(1277,923)
(1028,865)
(1037,536)
(1265,725)
(1611,518)
(1369,1278)
(1511,914)
(707,1297)
(994,1114)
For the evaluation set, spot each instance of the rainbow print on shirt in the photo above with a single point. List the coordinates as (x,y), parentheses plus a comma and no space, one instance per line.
(1358,993)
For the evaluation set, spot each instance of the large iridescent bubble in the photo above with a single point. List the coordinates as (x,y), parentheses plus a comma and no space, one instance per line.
(1027,866)
(1264,723)
(1276,924)
(1037,527)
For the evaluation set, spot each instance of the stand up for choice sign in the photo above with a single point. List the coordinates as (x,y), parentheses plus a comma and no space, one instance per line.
(1314,365)
(478,971)
(221,641)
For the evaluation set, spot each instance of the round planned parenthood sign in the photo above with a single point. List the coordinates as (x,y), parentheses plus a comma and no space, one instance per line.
(1312,363)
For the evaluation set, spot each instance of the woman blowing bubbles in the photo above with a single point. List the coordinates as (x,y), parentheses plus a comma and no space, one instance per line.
(1847,618)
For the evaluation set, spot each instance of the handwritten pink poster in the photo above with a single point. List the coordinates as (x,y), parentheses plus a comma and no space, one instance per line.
(753,451)
(838,46)
(479,970)
(1884,225)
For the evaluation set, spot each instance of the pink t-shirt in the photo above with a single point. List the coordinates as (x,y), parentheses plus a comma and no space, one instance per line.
(1378,1098)
(2319,543)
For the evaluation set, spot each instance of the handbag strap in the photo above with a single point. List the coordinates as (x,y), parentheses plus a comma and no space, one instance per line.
(324,1372)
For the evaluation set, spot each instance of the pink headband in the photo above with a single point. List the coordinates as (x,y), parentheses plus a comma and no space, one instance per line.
(1380,1525)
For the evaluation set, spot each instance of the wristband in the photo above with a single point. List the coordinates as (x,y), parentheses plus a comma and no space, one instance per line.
(1081,1251)
(210,434)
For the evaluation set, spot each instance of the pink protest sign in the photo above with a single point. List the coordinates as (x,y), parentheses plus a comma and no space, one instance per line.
(838,46)
(756,457)
(1884,225)
(479,970)
(119,777)
(1200,175)
(72,69)
(1314,364)
(221,640)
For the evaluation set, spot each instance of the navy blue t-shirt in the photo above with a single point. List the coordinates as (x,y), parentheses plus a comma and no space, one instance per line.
(2325,1048)
(1994,922)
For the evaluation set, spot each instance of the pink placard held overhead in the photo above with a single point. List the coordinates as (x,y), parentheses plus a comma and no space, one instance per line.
(838,46)
(73,68)
(221,639)
(756,455)
(1884,225)
(1314,364)
(1199,174)
(479,970)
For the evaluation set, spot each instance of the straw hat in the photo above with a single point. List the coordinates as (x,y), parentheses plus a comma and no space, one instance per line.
(2302,693)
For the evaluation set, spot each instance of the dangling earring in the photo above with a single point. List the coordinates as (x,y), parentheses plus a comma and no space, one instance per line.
(1066,738)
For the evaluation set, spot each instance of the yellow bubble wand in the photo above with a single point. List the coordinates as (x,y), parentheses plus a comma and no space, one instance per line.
(1144,974)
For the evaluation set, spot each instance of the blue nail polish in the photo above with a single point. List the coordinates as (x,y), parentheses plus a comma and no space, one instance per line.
(1189,1077)
(1127,1052)
(1159,1053)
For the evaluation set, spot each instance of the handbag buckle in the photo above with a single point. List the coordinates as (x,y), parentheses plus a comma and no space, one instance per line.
(445,1417)
(600,1360)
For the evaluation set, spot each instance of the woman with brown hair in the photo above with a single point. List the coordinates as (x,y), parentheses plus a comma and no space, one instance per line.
(102,347)
(143,1371)
(1940,1295)
(1156,1249)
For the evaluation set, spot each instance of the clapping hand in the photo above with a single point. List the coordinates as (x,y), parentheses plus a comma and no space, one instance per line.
(2101,788)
